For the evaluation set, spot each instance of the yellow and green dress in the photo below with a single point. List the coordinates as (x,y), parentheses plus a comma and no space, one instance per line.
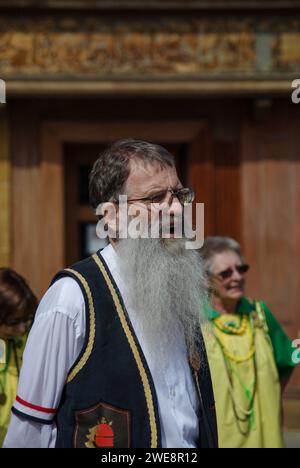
(249,355)
(11,352)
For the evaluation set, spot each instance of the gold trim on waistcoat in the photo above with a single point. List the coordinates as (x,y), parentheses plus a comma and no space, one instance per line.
(88,351)
(134,349)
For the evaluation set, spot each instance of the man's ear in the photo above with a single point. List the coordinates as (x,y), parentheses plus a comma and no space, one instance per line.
(108,212)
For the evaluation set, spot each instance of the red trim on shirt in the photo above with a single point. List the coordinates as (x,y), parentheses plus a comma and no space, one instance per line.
(35,407)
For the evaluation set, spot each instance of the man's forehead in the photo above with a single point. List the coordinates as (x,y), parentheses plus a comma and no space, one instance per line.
(151,176)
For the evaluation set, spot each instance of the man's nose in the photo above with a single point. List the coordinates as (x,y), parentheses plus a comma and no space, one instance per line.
(175,207)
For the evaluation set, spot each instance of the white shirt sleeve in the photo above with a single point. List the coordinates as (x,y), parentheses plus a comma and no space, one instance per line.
(54,343)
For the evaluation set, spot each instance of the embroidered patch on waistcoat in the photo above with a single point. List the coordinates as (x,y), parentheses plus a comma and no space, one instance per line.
(102,426)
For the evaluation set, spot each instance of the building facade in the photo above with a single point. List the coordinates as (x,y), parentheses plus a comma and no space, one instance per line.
(211,80)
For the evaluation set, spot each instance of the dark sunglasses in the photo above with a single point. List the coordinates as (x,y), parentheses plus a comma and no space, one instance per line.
(184,195)
(226,274)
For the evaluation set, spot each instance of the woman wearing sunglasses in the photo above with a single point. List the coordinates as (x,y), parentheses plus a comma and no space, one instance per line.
(249,353)
(17,308)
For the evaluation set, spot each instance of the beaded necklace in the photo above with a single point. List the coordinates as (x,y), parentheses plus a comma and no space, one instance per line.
(242,415)
(246,331)
(231,328)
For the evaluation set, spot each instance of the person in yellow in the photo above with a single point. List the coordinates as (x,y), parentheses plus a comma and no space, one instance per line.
(249,354)
(17,308)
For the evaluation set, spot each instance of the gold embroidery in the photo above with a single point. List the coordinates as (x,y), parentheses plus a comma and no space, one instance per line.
(262,317)
(135,351)
(88,351)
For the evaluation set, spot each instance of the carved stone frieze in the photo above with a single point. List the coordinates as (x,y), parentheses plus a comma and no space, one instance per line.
(70,46)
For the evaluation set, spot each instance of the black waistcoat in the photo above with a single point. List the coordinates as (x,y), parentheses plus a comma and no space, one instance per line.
(109,399)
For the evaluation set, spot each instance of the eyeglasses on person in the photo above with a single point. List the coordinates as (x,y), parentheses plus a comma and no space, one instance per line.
(228,273)
(184,195)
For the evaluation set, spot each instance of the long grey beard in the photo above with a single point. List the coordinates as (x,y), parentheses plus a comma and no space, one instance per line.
(167,288)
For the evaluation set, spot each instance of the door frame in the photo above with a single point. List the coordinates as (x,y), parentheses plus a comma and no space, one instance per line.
(46,210)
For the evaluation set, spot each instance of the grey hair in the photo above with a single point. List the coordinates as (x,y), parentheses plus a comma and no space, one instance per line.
(217,244)
(111,170)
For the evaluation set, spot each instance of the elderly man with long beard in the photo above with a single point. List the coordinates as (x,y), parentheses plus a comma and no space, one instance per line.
(115,357)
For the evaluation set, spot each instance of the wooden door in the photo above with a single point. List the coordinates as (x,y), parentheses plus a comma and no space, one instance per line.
(214,175)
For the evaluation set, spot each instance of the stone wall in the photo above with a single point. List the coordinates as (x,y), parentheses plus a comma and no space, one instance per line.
(68,46)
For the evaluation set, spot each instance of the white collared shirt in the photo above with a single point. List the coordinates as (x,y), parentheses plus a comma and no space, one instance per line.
(54,343)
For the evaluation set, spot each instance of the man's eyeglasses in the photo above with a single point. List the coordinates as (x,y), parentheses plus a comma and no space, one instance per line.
(226,274)
(185,196)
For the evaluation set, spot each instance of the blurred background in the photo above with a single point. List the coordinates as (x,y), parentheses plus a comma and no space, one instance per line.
(210,80)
